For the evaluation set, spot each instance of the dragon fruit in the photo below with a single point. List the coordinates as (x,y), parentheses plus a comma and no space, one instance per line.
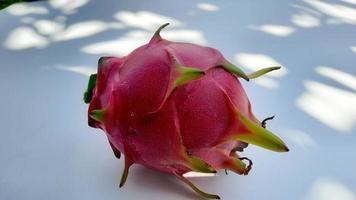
(176,107)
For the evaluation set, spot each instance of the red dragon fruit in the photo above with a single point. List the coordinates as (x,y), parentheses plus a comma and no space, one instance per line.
(176,107)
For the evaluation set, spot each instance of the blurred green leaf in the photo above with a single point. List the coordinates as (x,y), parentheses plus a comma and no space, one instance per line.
(6,3)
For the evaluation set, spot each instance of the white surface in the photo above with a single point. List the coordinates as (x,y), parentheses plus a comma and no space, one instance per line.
(47,151)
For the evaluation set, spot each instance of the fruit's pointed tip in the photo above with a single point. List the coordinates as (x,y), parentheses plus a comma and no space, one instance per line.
(103,61)
(285,148)
(123,179)
(282,148)
(260,136)
(156,36)
(164,25)
(263,71)
(161,27)
(211,196)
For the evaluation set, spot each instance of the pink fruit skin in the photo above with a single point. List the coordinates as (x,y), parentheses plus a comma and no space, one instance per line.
(164,126)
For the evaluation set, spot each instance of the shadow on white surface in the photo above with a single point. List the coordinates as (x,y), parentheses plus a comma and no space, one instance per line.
(25,9)
(301,139)
(23,38)
(208,7)
(329,189)
(84,29)
(275,30)
(332,106)
(343,78)
(82,70)
(149,181)
(305,20)
(68,6)
(338,13)
(145,19)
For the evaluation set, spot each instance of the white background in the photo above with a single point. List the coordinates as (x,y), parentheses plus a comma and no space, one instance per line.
(47,50)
